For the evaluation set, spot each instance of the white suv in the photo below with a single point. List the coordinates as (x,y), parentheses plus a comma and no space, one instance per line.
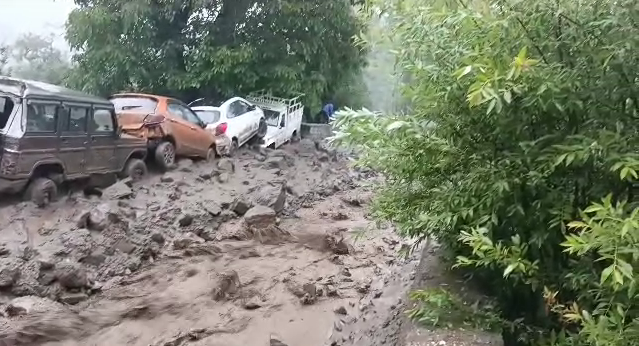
(236,118)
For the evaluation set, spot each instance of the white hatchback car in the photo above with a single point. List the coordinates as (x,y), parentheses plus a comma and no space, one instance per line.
(236,118)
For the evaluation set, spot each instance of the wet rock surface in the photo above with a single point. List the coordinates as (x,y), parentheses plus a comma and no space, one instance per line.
(245,249)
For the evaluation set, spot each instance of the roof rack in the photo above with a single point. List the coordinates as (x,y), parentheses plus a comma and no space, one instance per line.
(263,98)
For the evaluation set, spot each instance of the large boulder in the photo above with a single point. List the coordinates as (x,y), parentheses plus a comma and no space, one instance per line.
(71,274)
(272,196)
(260,217)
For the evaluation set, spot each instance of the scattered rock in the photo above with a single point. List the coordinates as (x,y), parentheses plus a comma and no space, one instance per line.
(276,341)
(212,208)
(166,179)
(119,190)
(307,299)
(223,177)
(73,298)
(341,311)
(71,274)
(240,206)
(252,304)
(310,289)
(226,165)
(125,246)
(158,238)
(206,176)
(182,243)
(185,220)
(96,258)
(260,216)
(271,196)
(338,247)
(340,216)
(275,163)
(4,250)
(10,269)
(227,286)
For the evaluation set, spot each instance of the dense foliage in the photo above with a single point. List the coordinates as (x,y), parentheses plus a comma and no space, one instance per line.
(36,57)
(215,48)
(520,156)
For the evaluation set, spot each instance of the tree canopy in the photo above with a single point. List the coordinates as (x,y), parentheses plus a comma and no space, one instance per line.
(35,57)
(215,48)
(519,155)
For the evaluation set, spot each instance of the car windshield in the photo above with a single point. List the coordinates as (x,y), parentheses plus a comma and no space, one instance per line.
(208,117)
(143,104)
(271,117)
(6,108)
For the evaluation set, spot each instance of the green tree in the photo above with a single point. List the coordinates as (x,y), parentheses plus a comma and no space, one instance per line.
(215,48)
(35,57)
(523,115)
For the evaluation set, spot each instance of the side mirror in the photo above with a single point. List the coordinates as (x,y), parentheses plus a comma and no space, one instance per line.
(203,125)
(118,131)
(251,108)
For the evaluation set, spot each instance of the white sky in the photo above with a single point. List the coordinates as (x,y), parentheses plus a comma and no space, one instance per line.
(41,17)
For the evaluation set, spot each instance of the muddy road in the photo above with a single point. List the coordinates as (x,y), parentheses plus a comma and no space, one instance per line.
(268,248)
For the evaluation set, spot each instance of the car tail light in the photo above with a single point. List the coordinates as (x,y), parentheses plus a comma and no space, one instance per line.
(153,119)
(221,129)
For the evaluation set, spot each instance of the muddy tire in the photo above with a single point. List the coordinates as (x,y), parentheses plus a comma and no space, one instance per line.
(234,147)
(296,137)
(165,155)
(42,191)
(135,169)
(210,155)
(261,129)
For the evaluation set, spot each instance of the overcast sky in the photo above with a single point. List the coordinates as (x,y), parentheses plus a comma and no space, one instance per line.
(38,16)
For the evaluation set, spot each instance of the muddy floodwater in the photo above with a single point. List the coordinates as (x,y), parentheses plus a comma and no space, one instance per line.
(272,247)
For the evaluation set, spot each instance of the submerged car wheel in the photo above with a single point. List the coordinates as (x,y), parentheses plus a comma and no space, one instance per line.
(261,129)
(135,169)
(165,155)
(234,146)
(210,155)
(42,191)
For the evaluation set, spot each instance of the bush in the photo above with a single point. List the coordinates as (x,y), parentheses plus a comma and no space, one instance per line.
(523,115)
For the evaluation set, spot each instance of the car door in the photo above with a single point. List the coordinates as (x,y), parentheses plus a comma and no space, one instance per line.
(198,139)
(236,124)
(40,141)
(251,118)
(183,130)
(102,135)
(74,141)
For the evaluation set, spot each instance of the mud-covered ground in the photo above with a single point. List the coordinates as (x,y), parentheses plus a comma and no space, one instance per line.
(271,247)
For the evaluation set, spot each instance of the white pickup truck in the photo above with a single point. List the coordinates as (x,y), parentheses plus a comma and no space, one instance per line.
(283,118)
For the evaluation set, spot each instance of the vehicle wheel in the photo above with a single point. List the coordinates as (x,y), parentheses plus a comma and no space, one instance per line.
(210,155)
(234,146)
(261,129)
(165,155)
(135,169)
(295,138)
(42,191)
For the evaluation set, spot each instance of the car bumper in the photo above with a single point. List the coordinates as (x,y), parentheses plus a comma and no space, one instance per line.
(223,145)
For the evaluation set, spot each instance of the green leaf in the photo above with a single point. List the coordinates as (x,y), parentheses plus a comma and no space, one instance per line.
(507,96)
(510,268)
(605,274)
(463,71)
(491,105)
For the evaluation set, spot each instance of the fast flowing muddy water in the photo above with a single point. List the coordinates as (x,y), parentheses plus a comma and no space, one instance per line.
(270,247)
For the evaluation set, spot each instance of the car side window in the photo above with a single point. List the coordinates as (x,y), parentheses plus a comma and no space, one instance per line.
(42,118)
(176,110)
(191,116)
(236,109)
(74,119)
(102,121)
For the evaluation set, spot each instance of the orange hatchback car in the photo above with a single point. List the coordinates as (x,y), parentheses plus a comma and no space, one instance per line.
(170,127)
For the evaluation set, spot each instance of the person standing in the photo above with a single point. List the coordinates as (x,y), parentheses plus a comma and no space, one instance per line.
(327,112)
